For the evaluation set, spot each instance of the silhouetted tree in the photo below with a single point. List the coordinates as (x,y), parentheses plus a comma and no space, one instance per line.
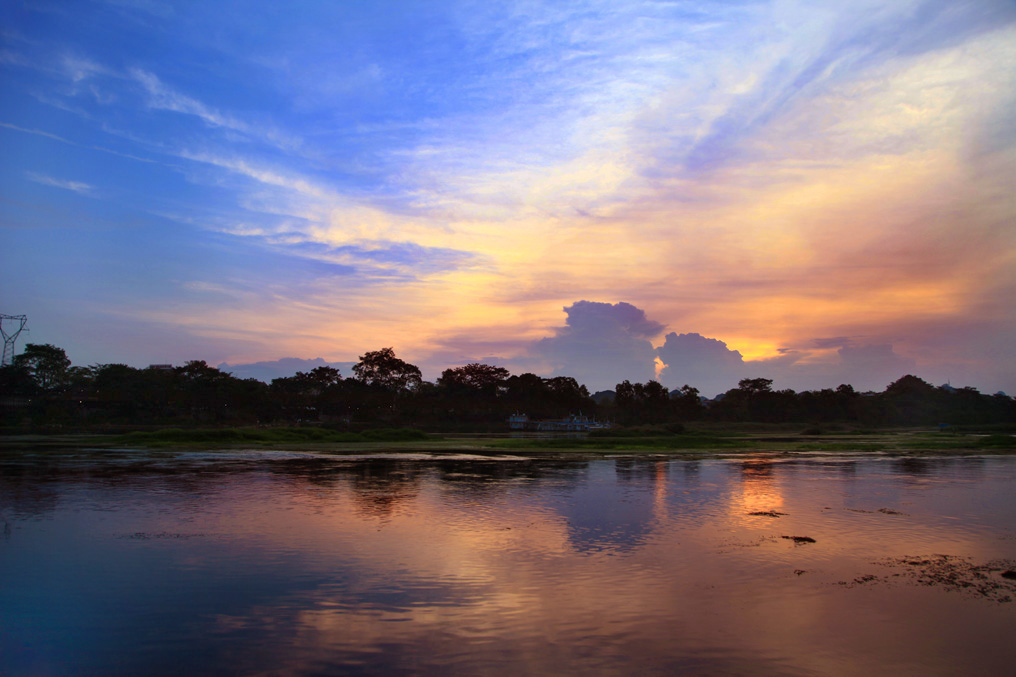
(755,386)
(306,395)
(382,368)
(641,402)
(43,388)
(528,394)
(200,389)
(687,403)
(475,376)
(565,387)
(46,364)
(912,401)
(625,402)
(16,381)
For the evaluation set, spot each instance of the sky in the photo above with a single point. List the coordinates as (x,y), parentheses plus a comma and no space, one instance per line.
(813,192)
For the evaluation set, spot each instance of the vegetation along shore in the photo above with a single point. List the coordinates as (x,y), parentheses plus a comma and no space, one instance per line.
(386,404)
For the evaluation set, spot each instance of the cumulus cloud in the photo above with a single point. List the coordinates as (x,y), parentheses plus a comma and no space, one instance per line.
(709,365)
(873,366)
(601,345)
(704,363)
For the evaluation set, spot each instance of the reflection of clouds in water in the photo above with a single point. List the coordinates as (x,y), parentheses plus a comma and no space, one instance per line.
(913,468)
(536,633)
(615,509)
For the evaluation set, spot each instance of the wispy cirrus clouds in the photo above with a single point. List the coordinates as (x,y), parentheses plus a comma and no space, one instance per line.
(76,186)
(162,97)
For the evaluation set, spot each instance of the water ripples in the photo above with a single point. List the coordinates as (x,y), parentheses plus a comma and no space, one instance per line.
(301,563)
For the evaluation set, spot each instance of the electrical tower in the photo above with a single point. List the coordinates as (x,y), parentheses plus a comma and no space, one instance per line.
(9,338)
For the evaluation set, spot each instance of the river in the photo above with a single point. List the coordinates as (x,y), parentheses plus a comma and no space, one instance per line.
(263,562)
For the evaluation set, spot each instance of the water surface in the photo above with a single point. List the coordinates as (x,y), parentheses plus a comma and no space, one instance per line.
(138,562)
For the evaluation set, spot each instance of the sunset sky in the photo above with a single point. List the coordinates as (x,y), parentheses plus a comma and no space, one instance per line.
(814,192)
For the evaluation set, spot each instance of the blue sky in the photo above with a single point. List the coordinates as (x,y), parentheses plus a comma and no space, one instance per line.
(807,182)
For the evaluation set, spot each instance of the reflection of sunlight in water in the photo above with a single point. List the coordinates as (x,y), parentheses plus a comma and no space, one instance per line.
(661,478)
(758,490)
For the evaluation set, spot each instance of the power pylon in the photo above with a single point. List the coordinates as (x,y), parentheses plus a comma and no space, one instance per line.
(9,338)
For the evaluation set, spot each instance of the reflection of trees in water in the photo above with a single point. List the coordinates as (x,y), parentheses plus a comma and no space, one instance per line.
(471,478)
(972,467)
(28,491)
(35,487)
(319,472)
(759,490)
(645,470)
(378,487)
(846,468)
(757,469)
(914,466)
(381,487)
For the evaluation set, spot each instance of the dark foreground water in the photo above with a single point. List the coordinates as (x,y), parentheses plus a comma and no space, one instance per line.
(285,563)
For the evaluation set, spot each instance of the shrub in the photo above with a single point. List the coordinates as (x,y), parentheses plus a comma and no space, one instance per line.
(1005,441)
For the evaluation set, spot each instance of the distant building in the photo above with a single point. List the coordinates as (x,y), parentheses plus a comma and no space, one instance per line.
(161,367)
(571,424)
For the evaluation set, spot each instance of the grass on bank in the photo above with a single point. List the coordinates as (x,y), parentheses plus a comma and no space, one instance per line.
(620,444)
(671,438)
(662,440)
(265,436)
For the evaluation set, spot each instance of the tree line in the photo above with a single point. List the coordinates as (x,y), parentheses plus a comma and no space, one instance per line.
(42,389)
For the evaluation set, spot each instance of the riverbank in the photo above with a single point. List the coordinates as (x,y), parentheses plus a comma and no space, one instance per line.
(406,440)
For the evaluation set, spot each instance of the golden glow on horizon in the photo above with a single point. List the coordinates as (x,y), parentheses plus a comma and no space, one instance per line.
(753,350)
